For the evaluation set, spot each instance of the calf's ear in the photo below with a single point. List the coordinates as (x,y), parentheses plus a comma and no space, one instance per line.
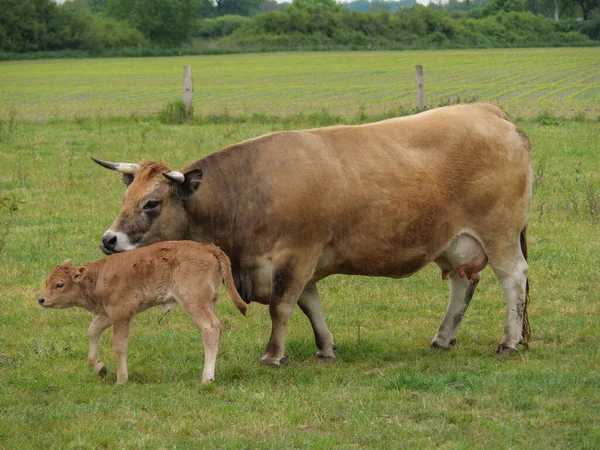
(79,274)
(67,263)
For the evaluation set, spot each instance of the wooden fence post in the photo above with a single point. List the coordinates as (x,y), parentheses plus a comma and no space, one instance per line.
(188,92)
(420,89)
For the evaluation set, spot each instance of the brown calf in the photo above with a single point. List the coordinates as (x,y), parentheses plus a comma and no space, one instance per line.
(118,287)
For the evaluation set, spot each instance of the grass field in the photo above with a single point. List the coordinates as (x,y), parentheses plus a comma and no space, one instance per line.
(562,81)
(387,389)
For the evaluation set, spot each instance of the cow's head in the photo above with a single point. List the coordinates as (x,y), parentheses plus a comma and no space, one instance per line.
(153,205)
(64,286)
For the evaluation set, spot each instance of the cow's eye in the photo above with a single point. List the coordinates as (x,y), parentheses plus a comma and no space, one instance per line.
(59,285)
(151,204)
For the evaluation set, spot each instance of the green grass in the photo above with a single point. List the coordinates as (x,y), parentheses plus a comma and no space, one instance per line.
(387,390)
(525,82)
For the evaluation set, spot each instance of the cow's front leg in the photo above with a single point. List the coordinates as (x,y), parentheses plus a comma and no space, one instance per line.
(98,325)
(120,338)
(461,293)
(289,279)
(310,304)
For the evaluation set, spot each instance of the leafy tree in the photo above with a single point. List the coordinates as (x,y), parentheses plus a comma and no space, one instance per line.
(166,22)
(238,7)
(379,6)
(587,6)
(206,9)
(496,6)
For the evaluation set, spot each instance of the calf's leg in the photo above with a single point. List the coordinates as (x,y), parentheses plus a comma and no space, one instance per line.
(98,325)
(120,338)
(202,312)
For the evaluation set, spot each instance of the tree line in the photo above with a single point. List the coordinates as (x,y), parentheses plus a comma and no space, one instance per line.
(100,26)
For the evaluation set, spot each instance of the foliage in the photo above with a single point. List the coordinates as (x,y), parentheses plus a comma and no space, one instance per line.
(9,205)
(501,23)
(165,22)
(173,113)
(107,26)
(218,27)
(237,7)
(110,34)
(42,25)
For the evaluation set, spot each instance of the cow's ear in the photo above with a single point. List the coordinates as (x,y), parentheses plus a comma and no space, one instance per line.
(193,178)
(127,179)
(67,263)
(79,274)
(191,183)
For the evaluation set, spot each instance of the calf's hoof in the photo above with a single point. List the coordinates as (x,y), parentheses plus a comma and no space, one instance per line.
(504,349)
(269,361)
(102,372)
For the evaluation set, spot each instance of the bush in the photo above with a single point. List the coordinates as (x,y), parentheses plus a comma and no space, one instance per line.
(110,34)
(219,27)
(174,113)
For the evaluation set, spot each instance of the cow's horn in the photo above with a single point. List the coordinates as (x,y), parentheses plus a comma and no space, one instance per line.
(119,167)
(175,177)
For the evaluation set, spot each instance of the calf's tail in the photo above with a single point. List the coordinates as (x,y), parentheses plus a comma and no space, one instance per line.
(526,327)
(228,278)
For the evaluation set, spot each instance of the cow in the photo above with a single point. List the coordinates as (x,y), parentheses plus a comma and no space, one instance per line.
(117,287)
(450,185)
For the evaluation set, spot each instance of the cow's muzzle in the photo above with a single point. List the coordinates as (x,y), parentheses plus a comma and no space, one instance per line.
(109,242)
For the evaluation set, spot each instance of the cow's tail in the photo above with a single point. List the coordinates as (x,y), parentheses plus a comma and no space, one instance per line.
(526,327)
(228,278)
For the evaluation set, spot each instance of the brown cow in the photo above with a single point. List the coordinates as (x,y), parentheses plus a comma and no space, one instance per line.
(450,185)
(118,287)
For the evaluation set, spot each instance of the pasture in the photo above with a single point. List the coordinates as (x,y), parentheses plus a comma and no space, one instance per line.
(387,389)
(563,81)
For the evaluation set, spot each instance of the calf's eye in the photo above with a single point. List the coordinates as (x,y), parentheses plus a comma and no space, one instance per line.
(59,285)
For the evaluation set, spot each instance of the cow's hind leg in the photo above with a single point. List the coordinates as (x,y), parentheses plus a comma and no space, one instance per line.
(310,304)
(98,325)
(461,293)
(510,265)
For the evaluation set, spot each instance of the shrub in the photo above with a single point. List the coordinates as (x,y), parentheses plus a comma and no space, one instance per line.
(174,113)
(110,34)
(219,27)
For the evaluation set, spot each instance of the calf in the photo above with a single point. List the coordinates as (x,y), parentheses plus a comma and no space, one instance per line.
(119,286)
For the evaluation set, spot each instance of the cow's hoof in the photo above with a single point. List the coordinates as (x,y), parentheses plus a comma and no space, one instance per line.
(325,359)
(273,362)
(453,342)
(504,349)
(437,345)
(102,372)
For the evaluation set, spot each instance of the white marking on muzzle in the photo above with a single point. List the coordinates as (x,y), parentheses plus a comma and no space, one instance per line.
(123,242)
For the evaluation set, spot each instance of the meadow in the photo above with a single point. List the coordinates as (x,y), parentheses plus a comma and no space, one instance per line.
(563,81)
(387,389)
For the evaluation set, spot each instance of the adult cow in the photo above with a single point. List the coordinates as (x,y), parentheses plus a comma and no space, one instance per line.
(450,185)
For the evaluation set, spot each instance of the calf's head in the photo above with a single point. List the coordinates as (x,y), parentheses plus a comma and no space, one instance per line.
(64,286)
(153,205)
